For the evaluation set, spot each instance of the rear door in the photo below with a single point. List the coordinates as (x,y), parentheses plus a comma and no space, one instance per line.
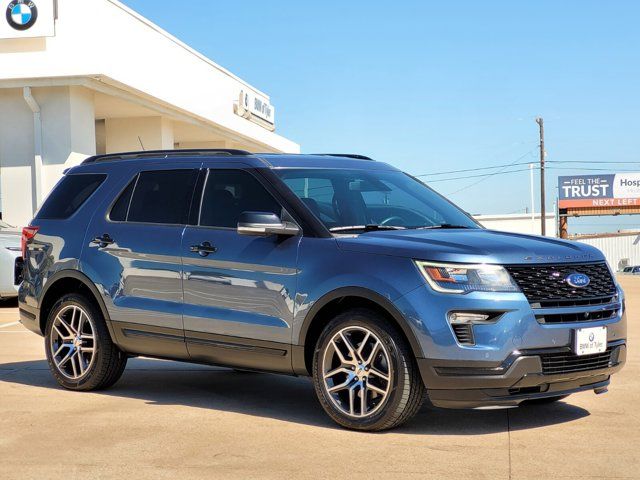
(133,251)
(239,292)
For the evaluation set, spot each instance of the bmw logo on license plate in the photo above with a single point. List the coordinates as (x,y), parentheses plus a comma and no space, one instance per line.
(22,14)
(578,280)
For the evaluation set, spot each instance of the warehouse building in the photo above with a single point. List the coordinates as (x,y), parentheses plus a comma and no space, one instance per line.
(526,223)
(80,77)
(621,249)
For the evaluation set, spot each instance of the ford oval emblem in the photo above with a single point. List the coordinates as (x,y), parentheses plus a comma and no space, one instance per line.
(578,280)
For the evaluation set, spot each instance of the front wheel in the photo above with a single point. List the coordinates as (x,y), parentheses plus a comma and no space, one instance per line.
(364,372)
(79,349)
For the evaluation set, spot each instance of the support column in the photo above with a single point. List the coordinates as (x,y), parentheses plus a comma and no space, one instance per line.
(16,158)
(68,130)
(67,122)
(564,226)
(138,133)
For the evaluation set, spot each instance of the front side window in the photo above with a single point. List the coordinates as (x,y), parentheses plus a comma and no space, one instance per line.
(69,195)
(229,193)
(161,197)
(347,199)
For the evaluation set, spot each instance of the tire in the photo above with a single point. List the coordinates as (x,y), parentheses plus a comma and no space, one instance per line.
(545,401)
(93,361)
(403,390)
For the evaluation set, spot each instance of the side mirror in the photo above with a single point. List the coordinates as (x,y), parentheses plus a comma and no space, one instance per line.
(265,223)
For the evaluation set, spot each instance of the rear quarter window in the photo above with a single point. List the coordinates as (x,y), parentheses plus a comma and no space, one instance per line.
(69,195)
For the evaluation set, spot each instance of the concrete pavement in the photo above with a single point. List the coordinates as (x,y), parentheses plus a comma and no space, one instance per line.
(172,420)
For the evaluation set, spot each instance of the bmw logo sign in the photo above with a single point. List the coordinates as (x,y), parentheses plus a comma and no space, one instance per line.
(22,14)
(578,280)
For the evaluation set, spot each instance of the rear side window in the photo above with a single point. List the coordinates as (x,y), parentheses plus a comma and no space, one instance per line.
(69,195)
(162,196)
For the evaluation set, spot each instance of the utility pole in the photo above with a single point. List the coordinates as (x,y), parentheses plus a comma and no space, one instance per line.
(543,220)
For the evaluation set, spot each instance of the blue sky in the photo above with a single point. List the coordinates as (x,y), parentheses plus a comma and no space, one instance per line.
(438,86)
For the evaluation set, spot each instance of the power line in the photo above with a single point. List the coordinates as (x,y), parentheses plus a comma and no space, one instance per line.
(591,169)
(493,167)
(485,175)
(473,169)
(500,172)
(594,161)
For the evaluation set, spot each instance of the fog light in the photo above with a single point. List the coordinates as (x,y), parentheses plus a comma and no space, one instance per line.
(468,317)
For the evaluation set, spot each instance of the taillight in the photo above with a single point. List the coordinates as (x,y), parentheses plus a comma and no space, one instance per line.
(27,234)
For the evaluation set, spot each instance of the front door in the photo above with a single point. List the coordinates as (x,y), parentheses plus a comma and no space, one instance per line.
(238,290)
(133,251)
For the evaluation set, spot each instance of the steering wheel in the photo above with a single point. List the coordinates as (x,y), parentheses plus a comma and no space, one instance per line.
(394,218)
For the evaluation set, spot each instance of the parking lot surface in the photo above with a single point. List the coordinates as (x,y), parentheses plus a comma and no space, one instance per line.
(173,420)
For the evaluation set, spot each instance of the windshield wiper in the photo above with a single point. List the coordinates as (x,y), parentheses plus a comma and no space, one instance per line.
(367,228)
(443,226)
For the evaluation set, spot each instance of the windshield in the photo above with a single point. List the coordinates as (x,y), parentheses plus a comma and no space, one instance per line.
(354,199)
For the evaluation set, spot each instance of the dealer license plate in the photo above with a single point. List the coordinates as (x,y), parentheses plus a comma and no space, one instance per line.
(588,341)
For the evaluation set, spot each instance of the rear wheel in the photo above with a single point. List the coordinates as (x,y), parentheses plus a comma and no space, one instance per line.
(364,373)
(79,349)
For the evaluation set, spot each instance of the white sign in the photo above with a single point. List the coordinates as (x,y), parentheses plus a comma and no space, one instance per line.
(27,18)
(251,106)
(590,340)
(626,185)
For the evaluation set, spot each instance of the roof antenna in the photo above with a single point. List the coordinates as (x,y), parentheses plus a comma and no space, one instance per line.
(140,140)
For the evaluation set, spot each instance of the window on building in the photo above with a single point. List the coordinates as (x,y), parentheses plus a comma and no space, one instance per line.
(69,195)
(228,193)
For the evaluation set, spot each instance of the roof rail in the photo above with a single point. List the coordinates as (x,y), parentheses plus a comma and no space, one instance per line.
(347,155)
(166,154)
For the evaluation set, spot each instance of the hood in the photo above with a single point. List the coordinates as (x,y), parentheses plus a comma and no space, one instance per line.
(470,246)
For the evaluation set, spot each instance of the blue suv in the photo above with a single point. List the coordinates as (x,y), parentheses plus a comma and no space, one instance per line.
(330,266)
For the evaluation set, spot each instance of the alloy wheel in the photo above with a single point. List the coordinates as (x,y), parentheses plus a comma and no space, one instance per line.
(73,342)
(356,371)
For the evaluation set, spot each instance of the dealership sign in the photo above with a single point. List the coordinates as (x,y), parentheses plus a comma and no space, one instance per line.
(256,108)
(599,191)
(27,18)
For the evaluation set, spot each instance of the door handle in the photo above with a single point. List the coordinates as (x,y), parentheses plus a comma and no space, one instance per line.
(103,241)
(204,249)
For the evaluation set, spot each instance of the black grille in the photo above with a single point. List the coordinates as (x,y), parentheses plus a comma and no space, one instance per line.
(576,303)
(545,285)
(464,333)
(567,362)
(577,317)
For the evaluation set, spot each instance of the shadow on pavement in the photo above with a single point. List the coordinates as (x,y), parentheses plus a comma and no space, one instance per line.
(9,303)
(283,398)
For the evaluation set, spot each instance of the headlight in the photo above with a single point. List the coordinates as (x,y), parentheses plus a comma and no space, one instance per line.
(14,249)
(464,278)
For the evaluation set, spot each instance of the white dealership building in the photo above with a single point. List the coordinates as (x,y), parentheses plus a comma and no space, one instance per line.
(80,77)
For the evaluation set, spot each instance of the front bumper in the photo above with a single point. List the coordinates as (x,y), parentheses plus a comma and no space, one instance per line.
(520,377)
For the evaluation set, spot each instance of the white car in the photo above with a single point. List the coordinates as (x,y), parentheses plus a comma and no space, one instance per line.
(630,270)
(10,261)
